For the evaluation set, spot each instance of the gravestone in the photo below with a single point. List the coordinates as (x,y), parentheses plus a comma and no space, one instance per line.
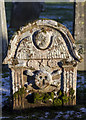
(3,31)
(80,32)
(43,61)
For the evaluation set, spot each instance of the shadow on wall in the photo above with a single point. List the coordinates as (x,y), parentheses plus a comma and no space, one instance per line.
(24,12)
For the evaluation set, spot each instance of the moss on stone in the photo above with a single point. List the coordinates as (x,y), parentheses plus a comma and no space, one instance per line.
(43,97)
(46,97)
(38,97)
(71,91)
(15,95)
(60,93)
(20,92)
(52,95)
(65,98)
(15,62)
(57,102)
(43,30)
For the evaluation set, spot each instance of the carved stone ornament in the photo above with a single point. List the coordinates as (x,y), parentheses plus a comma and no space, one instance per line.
(42,39)
(42,58)
(43,79)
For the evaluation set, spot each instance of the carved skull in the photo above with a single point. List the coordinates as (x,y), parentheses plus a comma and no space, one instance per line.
(43,79)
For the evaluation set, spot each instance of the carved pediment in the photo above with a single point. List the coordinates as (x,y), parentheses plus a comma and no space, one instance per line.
(43,39)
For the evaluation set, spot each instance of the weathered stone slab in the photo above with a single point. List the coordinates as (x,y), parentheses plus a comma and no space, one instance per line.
(43,60)
(3,30)
(80,32)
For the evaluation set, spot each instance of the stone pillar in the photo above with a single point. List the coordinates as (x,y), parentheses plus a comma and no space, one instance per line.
(69,83)
(80,32)
(3,29)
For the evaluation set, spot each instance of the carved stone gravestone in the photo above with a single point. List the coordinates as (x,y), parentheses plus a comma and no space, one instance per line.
(43,62)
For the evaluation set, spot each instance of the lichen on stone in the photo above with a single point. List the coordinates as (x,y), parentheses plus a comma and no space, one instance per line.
(20,92)
(57,102)
(15,62)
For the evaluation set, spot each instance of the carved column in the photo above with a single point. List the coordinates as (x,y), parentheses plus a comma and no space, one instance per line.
(69,83)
